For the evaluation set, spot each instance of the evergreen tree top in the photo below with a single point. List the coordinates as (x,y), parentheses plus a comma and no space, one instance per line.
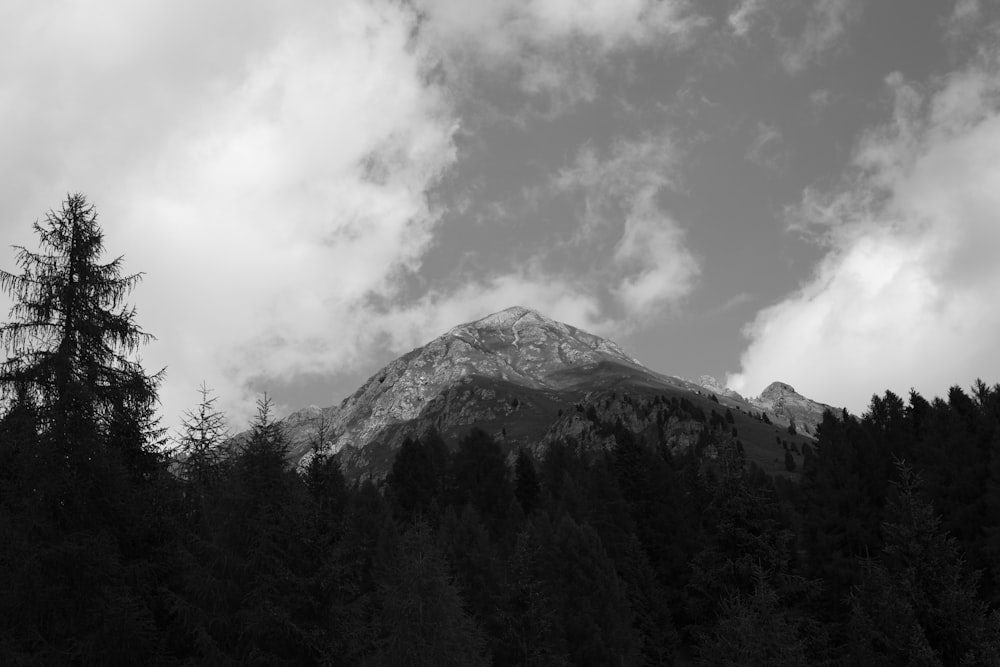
(70,333)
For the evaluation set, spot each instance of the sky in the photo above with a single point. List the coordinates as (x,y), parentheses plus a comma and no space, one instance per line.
(756,190)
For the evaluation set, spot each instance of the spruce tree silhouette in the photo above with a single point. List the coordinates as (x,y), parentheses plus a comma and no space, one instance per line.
(70,344)
(82,521)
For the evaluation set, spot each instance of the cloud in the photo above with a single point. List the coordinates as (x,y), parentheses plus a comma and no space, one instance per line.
(963,19)
(825,25)
(630,262)
(632,173)
(765,150)
(743,18)
(970,24)
(554,48)
(905,296)
(271,169)
(266,167)
(803,32)
(657,269)
(558,297)
(619,193)
(820,98)
(730,304)
(966,10)
(502,29)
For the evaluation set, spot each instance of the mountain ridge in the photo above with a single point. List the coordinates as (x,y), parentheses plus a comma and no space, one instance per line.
(780,401)
(481,373)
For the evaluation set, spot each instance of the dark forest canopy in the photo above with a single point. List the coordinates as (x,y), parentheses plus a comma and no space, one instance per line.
(884,551)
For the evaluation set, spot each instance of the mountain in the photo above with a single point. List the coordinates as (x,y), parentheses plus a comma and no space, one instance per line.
(782,404)
(528,381)
(716,387)
(789,406)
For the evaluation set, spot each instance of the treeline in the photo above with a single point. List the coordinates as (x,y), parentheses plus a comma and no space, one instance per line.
(632,555)
(638,553)
(885,552)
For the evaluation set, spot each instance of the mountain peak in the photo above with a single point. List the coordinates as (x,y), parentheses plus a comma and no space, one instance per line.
(483,372)
(789,406)
(507,320)
(528,343)
(712,384)
(508,317)
(778,389)
(515,347)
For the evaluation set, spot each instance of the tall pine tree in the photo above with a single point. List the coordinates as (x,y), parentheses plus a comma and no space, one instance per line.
(80,523)
(70,344)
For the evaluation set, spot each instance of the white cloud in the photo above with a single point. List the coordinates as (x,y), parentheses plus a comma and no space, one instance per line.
(825,26)
(742,19)
(555,47)
(820,98)
(268,167)
(803,32)
(907,294)
(632,173)
(265,166)
(640,265)
(657,269)
(559,298)
(764,149)
(500,30)
(966,10)
(651,268)
(964,17)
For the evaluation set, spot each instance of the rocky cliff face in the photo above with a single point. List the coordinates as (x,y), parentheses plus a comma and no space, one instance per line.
(782,404)
(523,378)
(786,406)
(477,372)
(717,388)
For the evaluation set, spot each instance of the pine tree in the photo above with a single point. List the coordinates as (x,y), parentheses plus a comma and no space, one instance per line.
(70,343)
(327,489)
(748,540)
(481,477)
(262,555)
(531,632)
(920,599)
(476,562)
(755,629)
(84,523)
(420,618)
(415,480)
(592,609)
(789,461)
(260,465)
(199,451)
(18,432)
(353,602)
(843,488)
(324,478)
(527,487)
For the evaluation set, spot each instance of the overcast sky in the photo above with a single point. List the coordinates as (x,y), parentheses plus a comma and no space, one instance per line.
(754,189)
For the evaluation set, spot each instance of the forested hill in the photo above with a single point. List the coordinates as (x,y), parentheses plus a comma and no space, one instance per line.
(882,551)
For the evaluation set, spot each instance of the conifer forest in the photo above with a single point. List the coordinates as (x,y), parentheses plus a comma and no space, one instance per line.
(123,543)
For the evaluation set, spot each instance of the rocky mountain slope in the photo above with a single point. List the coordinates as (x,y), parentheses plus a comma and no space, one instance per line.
(520,376)
(788,406)
(780,402)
